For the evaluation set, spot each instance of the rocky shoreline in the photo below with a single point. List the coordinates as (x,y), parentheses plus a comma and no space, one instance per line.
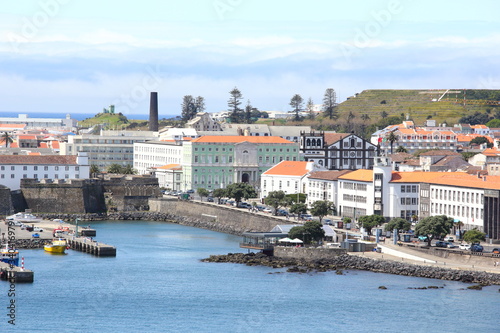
(345,261)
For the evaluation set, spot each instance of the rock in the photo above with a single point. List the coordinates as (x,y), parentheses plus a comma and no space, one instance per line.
(475,287)
(382,287)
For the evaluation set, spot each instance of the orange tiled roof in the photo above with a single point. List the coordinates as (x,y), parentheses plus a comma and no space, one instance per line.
(55,144)
(360,175)
(20,126)
(237,139)
(34,154)
(170,167)
(469,137)
(479,126)
(491,152)
(288,168)
(44,145)
(26,137)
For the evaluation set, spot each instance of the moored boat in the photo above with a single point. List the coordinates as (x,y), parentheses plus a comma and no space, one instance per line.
(57,246)
(10,255)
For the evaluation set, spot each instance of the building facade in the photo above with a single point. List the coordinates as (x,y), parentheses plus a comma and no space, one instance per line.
(216,161)
(286,176)
(110,147)
(13,168)
(337,151)
(154,154)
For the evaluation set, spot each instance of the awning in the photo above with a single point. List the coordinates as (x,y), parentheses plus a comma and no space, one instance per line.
(296,241)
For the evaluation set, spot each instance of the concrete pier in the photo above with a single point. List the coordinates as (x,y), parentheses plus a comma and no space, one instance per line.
(20,275)
(98,249)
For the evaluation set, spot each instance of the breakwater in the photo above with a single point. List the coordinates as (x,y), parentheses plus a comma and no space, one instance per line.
(345,261)
(29,243)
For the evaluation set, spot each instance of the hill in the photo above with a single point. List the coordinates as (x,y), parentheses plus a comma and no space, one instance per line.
(442,105)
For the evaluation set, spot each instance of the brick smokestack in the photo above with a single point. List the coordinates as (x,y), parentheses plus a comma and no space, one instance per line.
(153,112)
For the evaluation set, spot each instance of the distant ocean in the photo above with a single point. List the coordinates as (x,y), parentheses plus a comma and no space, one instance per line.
(79,116)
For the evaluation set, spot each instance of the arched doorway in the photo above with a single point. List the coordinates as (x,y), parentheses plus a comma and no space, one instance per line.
(245,178)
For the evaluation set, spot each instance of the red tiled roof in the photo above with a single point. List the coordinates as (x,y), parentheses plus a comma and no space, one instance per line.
(42,159)
(328,175)
(288,168)
(170,167)
(20,126)
(237,139)
(331,138)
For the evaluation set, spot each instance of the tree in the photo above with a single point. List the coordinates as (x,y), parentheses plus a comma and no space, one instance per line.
(128,170)
(475,119)
(199,104)
(297,104)
(474,236)
(298,208)
(383,114)
(188,108)
(248,112)
(401,149)
(494,123)
(237,191)
(371,221)
(275,199)
(7,139)
(434,226)
(479,140)
(399,224)
(233,104)
(309,232)
(114,168)
(219,193)
(350,116)
(365,117)
(330,104)
(391,137)
(94,170)
(321,208)
(202,192)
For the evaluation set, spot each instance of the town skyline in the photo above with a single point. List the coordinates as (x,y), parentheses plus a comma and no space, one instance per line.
(78,58)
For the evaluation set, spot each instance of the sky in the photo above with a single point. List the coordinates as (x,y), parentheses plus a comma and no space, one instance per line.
(75,56)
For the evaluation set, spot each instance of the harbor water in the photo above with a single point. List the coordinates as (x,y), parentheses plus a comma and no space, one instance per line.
(157,283)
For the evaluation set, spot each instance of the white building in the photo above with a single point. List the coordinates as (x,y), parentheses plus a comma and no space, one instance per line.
(46,123)
(323,186)
(110,147)
(154,154)
(286,176)
(169,176)
(13,168)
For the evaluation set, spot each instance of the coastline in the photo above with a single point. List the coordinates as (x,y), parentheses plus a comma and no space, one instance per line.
(347,262)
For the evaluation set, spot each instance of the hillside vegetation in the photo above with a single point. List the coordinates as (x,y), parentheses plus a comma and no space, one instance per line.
(421,104)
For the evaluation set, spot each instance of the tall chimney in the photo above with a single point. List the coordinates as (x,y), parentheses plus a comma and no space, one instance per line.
(153,112)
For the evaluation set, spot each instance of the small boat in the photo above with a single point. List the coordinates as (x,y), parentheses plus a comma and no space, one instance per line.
(57,246)
(10,255)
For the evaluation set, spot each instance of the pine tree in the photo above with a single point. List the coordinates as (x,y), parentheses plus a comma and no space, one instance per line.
(297,104)
(234,103)
(330,103)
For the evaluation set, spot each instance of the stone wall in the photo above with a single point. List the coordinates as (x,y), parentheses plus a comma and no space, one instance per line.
(6,206)
(222,218)
(307,253)
(464,257)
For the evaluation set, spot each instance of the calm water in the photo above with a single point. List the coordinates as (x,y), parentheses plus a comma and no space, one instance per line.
(157,284)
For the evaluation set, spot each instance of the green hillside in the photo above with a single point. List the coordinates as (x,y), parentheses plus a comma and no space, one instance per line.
(421,104)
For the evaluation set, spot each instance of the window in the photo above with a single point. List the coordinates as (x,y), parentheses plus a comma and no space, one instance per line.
(56,168)
(403,188)
(3,168)
(25,167)
(46,168)
(13,168)
(12,176)
(25,176)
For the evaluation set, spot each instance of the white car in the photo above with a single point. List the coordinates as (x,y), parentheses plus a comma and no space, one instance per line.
(449,239)
(464,246)
(37,229)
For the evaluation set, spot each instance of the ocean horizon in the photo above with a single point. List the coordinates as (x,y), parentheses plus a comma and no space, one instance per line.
(80,116)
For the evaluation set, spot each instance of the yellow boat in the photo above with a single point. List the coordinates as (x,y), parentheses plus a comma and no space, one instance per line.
(57,246)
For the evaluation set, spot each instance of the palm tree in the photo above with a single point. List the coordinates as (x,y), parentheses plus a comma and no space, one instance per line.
(7,138)
(392,138)
(365,117)
(94,170)
(114,168)
(128,170)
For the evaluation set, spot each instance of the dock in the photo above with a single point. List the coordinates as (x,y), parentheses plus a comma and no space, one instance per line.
(84,244)
(17,273)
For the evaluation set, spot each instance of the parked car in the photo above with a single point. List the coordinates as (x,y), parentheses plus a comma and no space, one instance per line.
(260,207)
(449,239)
(210,199)
(35,235)
(282,212)
(327,221)
(422,238)
(37,229)
(476,248)
(464,246)
(268,210)
(496,250)
(306,217)
(190,191)
(441,244)
(450,245)
(244,205)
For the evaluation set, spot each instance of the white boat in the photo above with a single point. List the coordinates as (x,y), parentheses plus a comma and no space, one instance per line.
(24,218)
